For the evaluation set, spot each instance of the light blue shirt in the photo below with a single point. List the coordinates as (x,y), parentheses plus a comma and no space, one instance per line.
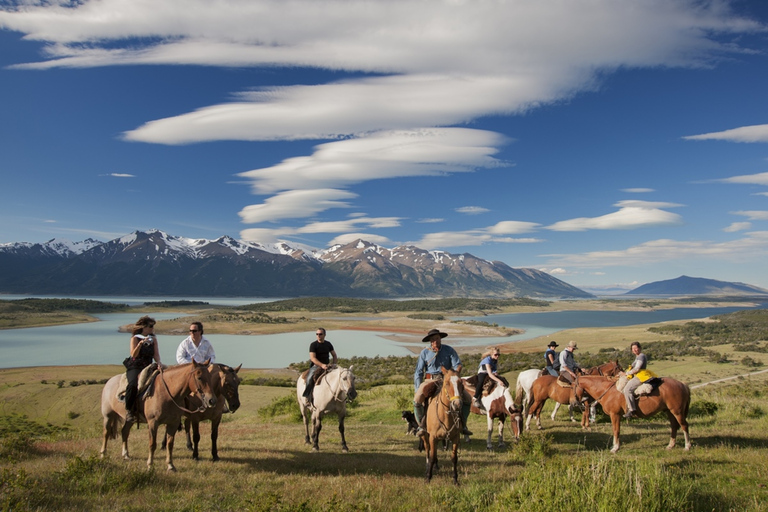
(431,362)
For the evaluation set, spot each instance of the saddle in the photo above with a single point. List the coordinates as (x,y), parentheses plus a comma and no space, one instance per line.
(563,383)
(646,388)
(319,374)
(488,385)
(146,379)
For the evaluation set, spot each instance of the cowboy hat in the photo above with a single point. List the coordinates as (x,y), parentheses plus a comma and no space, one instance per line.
(432,333)
(553,343)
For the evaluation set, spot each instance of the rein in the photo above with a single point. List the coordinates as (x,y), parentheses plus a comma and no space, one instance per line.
(183,409)
(457,421)
(597,400)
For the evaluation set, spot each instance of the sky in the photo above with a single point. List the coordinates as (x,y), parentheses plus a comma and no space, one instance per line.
(610,143)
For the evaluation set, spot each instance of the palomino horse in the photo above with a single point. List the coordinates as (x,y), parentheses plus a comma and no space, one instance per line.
(164,406)
(444,421)
(225,386)
(547,387)
(671,396)
(498,405)
(330,396)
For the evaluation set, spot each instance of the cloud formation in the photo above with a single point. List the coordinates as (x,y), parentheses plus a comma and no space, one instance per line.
(631,215)
(754,133)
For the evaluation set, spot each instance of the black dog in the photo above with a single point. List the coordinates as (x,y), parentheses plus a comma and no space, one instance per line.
(410,419)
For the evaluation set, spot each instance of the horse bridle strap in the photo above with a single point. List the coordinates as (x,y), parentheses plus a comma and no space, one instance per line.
(597,400)
(183,409)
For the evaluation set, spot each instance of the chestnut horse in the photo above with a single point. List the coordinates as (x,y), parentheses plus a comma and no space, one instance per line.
(546,387)
(444,421)
(225,385)
(671,396)
(165,406)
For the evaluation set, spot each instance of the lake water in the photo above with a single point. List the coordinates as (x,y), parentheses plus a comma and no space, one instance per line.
(101,343)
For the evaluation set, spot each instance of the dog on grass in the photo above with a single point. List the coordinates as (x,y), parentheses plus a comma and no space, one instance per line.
(410,419)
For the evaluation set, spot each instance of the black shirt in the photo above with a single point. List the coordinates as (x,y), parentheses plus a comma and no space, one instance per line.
(322,351)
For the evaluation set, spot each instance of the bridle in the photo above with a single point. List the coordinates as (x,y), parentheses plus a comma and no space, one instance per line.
(343,372)
(198,389)
(457,414)
(597,400)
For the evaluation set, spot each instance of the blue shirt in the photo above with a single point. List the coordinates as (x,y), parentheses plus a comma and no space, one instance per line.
(487,360)
(430,362)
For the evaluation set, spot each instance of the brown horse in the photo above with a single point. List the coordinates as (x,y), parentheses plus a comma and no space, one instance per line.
(225,386)
(546,387)
(444,421)
(671,396)
(165,405)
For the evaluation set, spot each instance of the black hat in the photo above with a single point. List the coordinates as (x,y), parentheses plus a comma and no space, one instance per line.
(432,333)
(552,343)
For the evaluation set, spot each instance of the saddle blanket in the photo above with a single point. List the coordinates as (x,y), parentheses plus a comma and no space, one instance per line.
(146,377)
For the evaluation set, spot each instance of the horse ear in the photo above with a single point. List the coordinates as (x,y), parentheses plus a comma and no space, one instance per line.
(238,368)
(350,367)
(443,370)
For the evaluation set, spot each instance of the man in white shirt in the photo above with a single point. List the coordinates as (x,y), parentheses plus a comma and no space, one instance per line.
(195,346)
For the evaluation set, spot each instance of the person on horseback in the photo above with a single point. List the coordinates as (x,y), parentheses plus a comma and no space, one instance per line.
(320,353)
(488,368)
(568,365)
(428,373)
(143,348)
(637,373)
(551,359)
(195,346)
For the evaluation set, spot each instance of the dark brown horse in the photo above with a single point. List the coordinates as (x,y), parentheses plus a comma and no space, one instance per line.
(671,396)
(225,386)
(546,387)
(164,406)
(444,421)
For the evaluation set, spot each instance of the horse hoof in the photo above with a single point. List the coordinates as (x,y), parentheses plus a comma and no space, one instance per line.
(345,450)
(215,459)
(315,449)
(171,468)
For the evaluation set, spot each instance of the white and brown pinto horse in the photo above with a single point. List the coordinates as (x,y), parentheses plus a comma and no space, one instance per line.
(225,386)
(671,396)
(498,405)
(335,387)
(164,406)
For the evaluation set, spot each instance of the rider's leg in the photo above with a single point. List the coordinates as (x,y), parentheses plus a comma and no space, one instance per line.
(479,391)
(629,396)
(466,400)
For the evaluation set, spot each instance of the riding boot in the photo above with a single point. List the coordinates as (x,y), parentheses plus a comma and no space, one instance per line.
(465,408)
(418,412)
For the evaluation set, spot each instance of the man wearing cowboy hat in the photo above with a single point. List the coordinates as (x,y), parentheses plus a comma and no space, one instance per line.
(552,361)
(427,374)
(568,366)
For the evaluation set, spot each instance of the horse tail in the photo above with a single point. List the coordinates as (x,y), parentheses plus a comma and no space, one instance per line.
(112,427)
(518,393)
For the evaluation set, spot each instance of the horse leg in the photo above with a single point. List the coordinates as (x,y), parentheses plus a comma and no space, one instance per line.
(187,427)
(501,432)
(616,424)
(214,438)
(455,461)
(431,445)
(152,432)
(554,411)
(317,426)
(124,433)
(341,431)
(170,436)
(195,426)
(570,413)
(585,419)
(488,445)
(305,419)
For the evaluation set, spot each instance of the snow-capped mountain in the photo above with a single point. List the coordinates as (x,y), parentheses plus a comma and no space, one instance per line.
(155,263)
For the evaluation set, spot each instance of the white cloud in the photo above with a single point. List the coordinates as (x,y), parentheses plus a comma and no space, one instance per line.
(295,204)
(631,215)
(368,237)
(750,248)
(754,133)
(637,190)
(430,221)
(119,175)
(472,210)
(748,179)
(738,226)
(753,214)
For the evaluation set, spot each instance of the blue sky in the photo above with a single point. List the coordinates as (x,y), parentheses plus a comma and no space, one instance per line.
(610,143)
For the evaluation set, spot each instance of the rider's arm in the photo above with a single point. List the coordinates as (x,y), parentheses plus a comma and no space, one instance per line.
(315,360)
(181,354)
(333,355)
(418,375)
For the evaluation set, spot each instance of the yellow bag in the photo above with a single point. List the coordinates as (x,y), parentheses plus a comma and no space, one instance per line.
(645,375)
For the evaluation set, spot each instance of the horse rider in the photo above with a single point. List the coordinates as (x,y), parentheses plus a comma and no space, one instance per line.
(488,369)
(568,366)
(320,353)
(427,376)
(637,374)
(143,349)
(552,361)
(195,346)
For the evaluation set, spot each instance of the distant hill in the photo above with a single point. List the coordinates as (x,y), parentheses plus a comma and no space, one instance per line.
(685,285)
(155,263)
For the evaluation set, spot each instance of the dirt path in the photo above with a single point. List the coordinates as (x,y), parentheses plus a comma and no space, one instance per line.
(727,378)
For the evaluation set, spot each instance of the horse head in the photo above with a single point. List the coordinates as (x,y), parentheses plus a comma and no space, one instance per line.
(200,383)
(347,382)
(230,383)
(577,395)
(453,388)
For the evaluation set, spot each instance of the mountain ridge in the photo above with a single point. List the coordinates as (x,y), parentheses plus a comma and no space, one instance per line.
(686,285)
(156,263)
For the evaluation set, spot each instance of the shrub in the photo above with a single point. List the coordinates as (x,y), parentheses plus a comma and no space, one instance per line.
(703,408)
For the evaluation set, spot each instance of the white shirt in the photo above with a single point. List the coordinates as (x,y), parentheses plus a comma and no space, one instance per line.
(187,351)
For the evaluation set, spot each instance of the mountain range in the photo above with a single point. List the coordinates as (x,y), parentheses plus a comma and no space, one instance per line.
(155,263)
(685,285)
